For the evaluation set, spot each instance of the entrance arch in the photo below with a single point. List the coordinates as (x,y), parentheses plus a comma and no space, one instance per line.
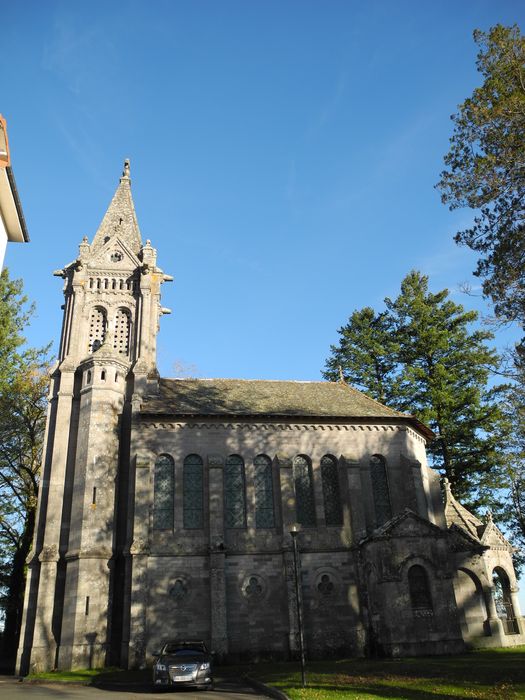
(503,601)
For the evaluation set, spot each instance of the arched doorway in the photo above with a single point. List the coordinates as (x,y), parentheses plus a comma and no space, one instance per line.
(470,602)
(503,601)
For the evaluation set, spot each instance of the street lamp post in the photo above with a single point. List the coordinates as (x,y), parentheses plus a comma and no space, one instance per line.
(294,532)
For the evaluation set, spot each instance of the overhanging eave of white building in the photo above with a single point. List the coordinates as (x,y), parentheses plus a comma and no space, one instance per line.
(10,208)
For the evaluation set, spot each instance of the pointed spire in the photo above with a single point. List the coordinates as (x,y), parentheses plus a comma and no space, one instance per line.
(120,219)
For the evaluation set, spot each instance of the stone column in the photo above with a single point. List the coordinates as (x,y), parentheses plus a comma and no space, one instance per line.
(49,526)
(495,626)
(289,519)
(293,622)
(138,608)
(219,632)
(217,557)
(517,612)
(139,552)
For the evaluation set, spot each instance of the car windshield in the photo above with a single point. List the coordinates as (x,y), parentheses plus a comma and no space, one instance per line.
(175,650)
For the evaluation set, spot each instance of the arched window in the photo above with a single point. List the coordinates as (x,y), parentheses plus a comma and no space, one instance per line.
(192,489)
(163,493)
(503,601)
(97,328)
(304,491)
(333,512)
(264,513)
(234,492)
(380,492)
(420,596)
(121,339)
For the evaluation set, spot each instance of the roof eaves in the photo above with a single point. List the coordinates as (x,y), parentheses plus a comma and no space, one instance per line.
(294,418)
(18,204)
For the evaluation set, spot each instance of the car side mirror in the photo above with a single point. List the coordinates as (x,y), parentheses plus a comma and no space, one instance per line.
(155,653)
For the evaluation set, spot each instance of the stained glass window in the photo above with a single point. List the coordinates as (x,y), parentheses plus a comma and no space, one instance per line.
(234,492)
(333,512)
(420,597)
(192,487)
(304,492)
(380,492)
(163,493)
(264,513)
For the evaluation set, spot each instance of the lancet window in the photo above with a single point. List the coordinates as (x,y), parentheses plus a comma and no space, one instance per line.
(333,512)
(234,492)
(304,491)
(419,588)
(380,491)
(121,340)
(192,488)
(97,328)
(163,493)
(263,482)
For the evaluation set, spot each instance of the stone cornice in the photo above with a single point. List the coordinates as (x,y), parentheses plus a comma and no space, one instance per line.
(251,425)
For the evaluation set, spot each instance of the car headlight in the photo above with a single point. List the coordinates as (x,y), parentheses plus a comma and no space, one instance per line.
(160,667)
(205,666)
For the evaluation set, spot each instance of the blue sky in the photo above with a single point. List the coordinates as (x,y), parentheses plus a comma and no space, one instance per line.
(283,155)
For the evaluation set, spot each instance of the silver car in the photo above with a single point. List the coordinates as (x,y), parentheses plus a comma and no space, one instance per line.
(182,663)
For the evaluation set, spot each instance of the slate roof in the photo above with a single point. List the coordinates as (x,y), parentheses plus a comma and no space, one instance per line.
(247,397)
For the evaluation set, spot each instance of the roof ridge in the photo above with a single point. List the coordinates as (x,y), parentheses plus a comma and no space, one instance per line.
(235,379)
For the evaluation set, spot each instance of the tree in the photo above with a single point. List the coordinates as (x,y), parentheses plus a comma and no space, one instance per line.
(23,388)
(366,354)
(22,424)
(485,169)
(514,501)
(432,364)
(14,317)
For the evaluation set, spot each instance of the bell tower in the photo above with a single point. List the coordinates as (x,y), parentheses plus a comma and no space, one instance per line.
(107,360)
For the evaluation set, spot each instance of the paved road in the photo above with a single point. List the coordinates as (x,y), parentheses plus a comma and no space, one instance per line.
(225,689)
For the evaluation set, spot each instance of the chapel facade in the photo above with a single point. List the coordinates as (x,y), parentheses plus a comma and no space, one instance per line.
(166,505)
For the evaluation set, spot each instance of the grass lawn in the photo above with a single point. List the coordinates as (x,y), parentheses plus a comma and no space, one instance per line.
(92,675)
(496,674)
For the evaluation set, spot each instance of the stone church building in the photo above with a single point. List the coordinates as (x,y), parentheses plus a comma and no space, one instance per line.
(166,505)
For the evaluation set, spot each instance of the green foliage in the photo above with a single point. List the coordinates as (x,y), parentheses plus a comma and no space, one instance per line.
(514,500)
(14,316)
(422,357)
(366,353)
(23,390)
(485,168)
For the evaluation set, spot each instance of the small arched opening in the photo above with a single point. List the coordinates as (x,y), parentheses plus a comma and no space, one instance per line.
(503,601)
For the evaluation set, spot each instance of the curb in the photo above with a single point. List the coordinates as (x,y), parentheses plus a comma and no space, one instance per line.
(266,689)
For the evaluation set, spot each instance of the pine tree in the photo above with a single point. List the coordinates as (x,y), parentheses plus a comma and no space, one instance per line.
(434,366)
(485,169)
(366,354)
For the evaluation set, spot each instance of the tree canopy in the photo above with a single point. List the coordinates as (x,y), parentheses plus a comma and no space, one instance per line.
(23,399)
(422,356)
(485,169)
